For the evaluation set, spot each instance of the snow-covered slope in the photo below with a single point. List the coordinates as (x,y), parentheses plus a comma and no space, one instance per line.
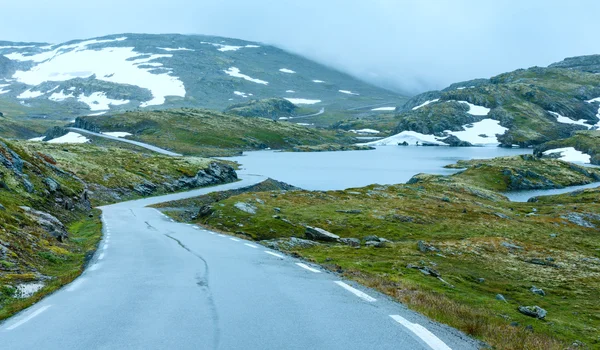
(130,71)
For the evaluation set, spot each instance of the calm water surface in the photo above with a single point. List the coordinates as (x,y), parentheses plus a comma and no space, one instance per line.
(341,170)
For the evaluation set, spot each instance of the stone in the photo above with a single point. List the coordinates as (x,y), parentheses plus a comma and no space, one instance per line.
(481,280)
(204,211)
(501,298)
(538,291)
(53,186)
(375,244)
(245,207)
(533,311)
(511,246)
(353,242)
(49,223)
(371,238)
(502,216)
(425,248)
(318,234)
(350,211)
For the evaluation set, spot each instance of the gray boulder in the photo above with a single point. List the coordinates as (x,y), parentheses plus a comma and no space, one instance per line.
(425,248)
(245,207)
(511,246)
(538,291)
(53,186)
(501,298)
(318,234)
(533,311)
(49,223)
(353,242)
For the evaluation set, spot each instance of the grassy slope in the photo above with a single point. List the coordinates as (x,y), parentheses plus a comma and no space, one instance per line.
(118,169)
(207,133)
(468,225)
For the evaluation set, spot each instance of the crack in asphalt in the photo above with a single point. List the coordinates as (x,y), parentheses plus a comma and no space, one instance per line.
(202,282)
(150,227)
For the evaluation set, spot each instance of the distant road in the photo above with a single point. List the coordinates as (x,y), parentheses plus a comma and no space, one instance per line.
(158,284)
(120,139)
(310,115)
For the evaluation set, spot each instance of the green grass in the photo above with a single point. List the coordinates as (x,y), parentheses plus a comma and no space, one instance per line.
(62,262)
(207,133)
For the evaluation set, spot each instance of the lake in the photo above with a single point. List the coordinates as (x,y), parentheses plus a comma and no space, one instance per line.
(341,170)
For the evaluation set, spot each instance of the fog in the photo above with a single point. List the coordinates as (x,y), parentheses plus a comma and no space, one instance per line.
(407,46)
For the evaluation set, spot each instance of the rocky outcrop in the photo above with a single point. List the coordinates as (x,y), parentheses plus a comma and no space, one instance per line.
(318,234)
(49,223)
(215,173)
(272,108)
(589,63)
(533,311)
(454,141)
(85,124)
(55,132)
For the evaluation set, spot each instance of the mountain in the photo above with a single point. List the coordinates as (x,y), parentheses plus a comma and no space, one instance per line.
(141,71)
(526,107)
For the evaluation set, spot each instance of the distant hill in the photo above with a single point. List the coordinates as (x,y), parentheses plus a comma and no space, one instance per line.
(141,71)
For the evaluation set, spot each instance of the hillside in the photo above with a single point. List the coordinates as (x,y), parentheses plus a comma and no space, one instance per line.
(48,229)
(141,71)
(523,108)
(582,146)
(451,247)
(208,133)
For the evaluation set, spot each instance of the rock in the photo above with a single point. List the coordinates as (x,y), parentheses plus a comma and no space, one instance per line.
(145,189)
(578,219)
(215,173)
(278,210)
(501,298)
(353,242)
(351,211)
(481,280)
(245,207)
(376,244)
(318,234)
(55,132)
(204,211)
(502,216)
(454,141)
(553,235)
(533,311)
(538,291)
(371,238)
(53,186)
(289,243)
(511,246)
(425,248)
(49,223)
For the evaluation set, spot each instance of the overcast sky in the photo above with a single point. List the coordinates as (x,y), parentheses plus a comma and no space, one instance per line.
(406,45)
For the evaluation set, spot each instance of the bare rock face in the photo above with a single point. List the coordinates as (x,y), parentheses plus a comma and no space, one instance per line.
(49,223)
(318,234)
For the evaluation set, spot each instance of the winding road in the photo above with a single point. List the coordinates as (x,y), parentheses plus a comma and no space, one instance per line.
(158,284)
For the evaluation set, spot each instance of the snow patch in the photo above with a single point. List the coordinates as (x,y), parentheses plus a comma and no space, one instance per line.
(235,72)
(475,109)
(225,48)
(2,86)
(410,137)
(285,70)
(41,138)
(177,49)
(117,133)
(30,94)
(318,81)
(71,137)
(304,124)
(425,104)
(570,154)
(489,128)
(121,65)
(347,92)
(288,91)
(25,290)
(98,101)
(60,96)
(96,114)
(302,101)
(366,131)
(384,109)
(564,120)
(239,93)
(63,49)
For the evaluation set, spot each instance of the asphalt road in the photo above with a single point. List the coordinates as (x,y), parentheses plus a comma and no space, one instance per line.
(120,139)
(157,284)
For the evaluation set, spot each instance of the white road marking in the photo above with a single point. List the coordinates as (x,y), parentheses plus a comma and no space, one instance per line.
(195,227)
(222,236)
(73,286)
(304,266)
(94,267)
(274,254)
(356,292)
(429,338)
(29,318)
(250,245)
(234,239)
(101,256)
(212,233)
(105,246)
